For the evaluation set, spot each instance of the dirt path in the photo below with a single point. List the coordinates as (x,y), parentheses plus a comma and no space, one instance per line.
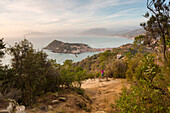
(104,93)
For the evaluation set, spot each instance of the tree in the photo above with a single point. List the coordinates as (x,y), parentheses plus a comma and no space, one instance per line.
(2,46)
(157,27)
(2,71)
(32,70)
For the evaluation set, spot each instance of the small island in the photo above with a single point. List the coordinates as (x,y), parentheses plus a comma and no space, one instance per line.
(72,48)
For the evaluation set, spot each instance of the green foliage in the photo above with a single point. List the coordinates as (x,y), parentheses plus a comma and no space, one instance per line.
(7,79)
(143,98)
(69,74)
(138,40)
(132,63)
(104,56)
(157,26)
(2,46)
(148,94)
(79,75)
(116,69)
(31,70)
(147,69)
(166,71)
(33,75)
(79,91)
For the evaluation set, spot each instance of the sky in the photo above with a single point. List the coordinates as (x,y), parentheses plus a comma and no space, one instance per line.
(19,17)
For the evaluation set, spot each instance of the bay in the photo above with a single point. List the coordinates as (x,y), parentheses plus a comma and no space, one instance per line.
(93,41)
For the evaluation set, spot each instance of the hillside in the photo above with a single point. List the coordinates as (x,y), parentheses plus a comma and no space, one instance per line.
(98,32)
(72,48)
(61,47)
(133,33)
(115,32)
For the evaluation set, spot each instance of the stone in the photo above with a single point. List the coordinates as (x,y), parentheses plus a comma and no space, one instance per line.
(4,111)
(10,108)
(62,98)
(55,101)
(50,107)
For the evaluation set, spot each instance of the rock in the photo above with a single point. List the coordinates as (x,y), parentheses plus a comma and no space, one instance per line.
(55,101)
(10,108)
(4,111)
(50,107)
(62,98)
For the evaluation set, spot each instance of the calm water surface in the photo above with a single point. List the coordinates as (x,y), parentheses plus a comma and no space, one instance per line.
(93,41)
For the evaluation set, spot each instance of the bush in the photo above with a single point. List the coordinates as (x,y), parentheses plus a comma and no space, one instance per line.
(148,94)
(132,63)
(116,69)
(143,98)
(147,69)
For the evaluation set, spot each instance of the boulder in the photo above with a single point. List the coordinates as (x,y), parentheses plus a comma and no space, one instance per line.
(62,98)
(50,107)
(55,102)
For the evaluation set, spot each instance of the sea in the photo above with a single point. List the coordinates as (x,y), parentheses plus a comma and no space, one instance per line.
(39,42)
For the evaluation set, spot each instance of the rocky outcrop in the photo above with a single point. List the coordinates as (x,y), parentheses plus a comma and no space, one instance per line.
(72,48)
(12,107)
(61,47)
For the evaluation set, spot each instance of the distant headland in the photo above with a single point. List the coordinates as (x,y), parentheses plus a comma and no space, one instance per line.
(72,48)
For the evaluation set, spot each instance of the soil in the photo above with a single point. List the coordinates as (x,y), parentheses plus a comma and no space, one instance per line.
(99,97)
(103,93)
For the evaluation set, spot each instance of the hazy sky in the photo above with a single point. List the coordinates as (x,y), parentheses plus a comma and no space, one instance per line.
(18,17)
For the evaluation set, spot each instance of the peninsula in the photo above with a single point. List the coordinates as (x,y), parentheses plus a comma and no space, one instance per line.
(72,48)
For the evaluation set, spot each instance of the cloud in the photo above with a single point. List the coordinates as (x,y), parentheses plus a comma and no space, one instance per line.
(18,16)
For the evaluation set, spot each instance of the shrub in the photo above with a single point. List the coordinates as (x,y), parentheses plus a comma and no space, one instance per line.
(143,98)
(116,69)
(132,63)
(147,94)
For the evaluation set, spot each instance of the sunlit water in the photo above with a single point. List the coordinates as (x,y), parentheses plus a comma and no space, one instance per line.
(93,41)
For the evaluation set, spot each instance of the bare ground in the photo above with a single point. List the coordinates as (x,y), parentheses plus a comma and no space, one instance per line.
(101,98)
(103,93)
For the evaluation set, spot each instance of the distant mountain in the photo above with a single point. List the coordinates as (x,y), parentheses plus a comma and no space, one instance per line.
(107,32)
(133,33)
(98,31)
